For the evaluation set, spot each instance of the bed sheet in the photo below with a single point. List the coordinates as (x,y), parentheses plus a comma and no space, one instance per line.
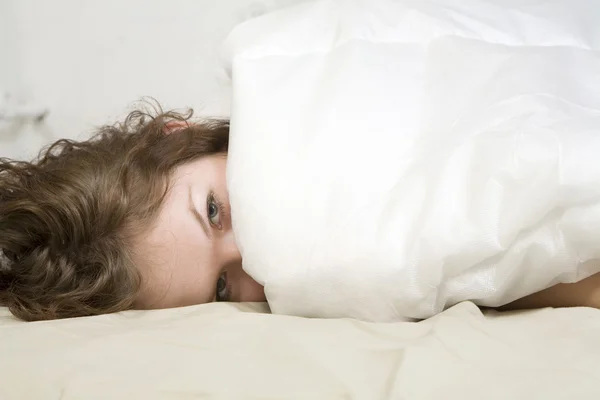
(227,351)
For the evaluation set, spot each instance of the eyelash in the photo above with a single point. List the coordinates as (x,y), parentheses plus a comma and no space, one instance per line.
(227,294)
(212,198)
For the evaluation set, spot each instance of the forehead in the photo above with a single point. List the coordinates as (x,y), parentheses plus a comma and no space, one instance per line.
(206,169)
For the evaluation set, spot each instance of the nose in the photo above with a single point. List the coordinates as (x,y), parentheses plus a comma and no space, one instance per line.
(229,252)
(244,288)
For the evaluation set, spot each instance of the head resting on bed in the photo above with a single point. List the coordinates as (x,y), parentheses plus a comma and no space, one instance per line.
(68,219)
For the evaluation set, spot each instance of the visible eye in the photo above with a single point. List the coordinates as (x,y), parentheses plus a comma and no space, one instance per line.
(213,209)
(222,290)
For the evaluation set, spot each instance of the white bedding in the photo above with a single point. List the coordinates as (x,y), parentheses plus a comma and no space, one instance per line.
(222,351)
(389,159)
(228,351)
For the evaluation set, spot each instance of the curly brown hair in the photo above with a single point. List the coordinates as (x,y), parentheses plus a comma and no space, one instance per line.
(68,218)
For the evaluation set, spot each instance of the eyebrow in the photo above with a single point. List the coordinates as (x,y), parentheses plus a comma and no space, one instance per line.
(196,214)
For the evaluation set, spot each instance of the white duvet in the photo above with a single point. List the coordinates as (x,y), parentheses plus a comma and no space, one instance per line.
(389,159)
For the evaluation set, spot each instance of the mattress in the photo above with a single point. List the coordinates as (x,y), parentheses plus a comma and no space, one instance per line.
(227,351)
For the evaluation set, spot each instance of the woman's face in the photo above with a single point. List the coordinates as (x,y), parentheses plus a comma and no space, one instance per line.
(189,255)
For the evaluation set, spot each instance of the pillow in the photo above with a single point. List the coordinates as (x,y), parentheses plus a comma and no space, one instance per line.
(389,159)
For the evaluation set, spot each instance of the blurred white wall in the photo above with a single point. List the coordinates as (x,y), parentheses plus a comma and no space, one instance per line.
(88,61)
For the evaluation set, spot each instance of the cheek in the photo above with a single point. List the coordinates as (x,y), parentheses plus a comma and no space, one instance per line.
(193,273)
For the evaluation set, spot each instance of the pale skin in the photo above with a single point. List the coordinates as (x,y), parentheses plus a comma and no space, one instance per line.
(585,293)
(189,255)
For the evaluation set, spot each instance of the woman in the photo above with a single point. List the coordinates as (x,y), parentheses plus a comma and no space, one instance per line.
(138,217)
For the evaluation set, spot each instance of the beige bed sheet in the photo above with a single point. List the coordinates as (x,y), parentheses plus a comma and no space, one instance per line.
(226,351)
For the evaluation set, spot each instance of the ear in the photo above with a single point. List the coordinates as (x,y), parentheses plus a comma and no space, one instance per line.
(174,126)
